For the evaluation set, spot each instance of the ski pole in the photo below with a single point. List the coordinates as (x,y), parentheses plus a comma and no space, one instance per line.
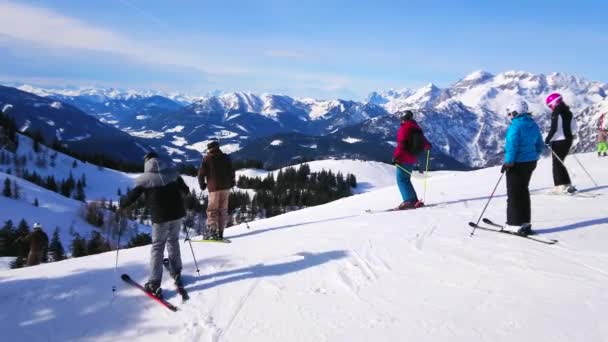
(192,250)
(399,166)
(117,250)
(426,172)
(582,167)
(557,157)
(488,202)
(579,163)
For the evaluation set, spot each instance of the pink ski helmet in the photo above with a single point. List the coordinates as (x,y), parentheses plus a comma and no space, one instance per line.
(553,100)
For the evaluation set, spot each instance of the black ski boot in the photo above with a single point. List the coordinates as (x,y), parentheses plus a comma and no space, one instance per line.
(153,287)
(525,230)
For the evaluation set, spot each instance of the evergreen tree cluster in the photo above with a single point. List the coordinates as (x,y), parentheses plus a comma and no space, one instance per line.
(8,132)
(69,187)
(292,189)
(11,189)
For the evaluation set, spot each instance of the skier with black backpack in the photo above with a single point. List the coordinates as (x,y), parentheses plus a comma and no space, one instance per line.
(410,143)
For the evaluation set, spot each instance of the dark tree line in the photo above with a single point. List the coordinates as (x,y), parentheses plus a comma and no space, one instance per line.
(69,187)
(8,132)
(292,189)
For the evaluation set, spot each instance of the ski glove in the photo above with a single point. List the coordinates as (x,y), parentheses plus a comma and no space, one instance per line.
(394,161)
(547,141)
(506,167)
(203,186)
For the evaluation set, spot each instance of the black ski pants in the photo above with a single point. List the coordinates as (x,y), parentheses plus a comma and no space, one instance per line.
(560,173)
(518,194)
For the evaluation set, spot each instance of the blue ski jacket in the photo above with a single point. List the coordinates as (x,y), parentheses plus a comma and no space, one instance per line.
(524,141)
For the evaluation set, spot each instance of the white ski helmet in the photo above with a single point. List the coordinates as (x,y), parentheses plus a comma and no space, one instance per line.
(517,107)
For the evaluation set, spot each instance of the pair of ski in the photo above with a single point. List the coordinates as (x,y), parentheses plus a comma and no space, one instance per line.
(372,211)
(497,228)
(180,289)
(213,240)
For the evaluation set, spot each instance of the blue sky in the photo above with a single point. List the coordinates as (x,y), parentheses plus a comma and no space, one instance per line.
(323,49)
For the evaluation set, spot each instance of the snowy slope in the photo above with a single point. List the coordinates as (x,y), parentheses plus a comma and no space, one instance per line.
(54,211)
(102,183)
(336,273)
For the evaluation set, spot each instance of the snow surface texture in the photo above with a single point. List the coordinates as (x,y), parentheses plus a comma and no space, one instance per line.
(336,273)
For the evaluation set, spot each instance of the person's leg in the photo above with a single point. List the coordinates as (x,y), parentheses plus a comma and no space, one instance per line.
(173,250)
(512,194)
(213,213)
(560,173)
(223,211)
(159,239)
(526,215)
(405,183)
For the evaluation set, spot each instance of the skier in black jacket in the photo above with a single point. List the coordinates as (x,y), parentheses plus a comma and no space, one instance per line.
(559,138)
(163,188)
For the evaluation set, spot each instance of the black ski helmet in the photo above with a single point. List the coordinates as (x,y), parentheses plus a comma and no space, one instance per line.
(406,115)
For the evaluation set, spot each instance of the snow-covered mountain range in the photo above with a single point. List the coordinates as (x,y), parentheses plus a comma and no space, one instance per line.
(467,121)
(464,121)
(65,123)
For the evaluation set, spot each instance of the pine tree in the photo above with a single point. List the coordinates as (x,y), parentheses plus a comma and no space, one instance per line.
(50,183)
(38,139)
(141,239)
(80,196)
(19,262)
(7,238)
(79,246)
(7,191)
(56,250)
(97,244)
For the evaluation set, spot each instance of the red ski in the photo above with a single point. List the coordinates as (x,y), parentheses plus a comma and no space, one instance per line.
(160,301)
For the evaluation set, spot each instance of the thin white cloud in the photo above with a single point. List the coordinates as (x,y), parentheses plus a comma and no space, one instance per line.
(47,29)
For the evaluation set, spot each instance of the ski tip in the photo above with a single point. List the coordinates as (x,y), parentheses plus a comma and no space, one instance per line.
(485,220)
(472,224)
(125,277)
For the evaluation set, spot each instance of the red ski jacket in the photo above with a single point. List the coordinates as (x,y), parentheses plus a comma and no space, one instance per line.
(401,155)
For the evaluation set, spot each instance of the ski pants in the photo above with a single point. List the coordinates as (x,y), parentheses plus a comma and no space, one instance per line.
(560,173)
(34,257)
(165,233)
(518,194)
(217,211)
(404,182)
(602,147)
